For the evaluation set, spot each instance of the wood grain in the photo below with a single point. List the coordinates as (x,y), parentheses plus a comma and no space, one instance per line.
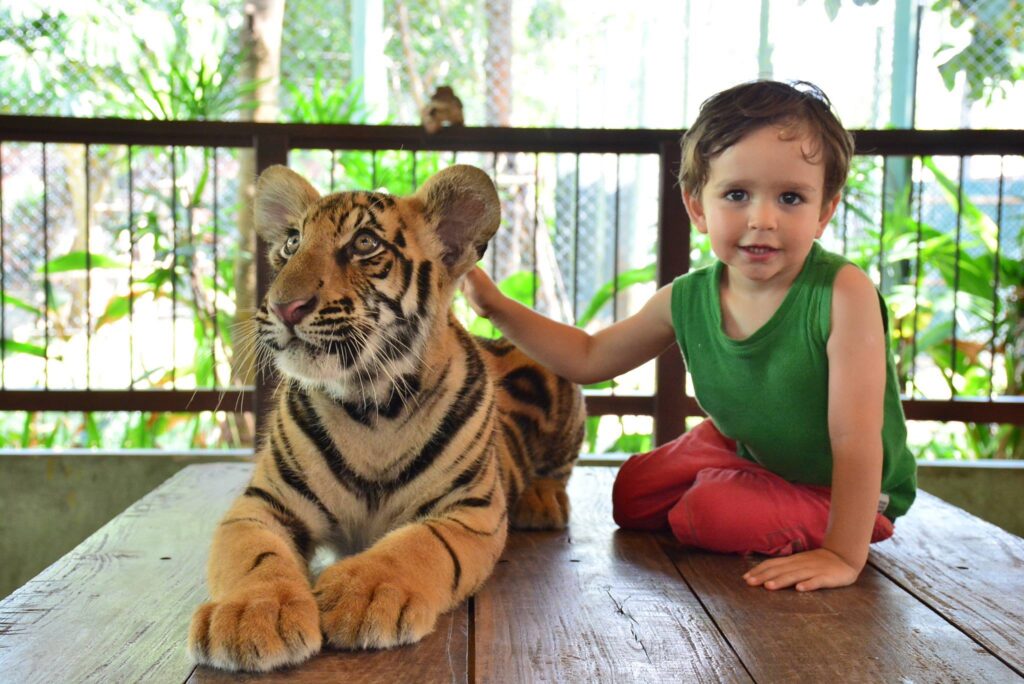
(443,656)
(967,569)
(593,604)
(941,601)
(117,607)
(873,631)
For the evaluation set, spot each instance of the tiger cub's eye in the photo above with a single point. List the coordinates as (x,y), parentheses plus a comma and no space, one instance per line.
(365,242)
(291,245)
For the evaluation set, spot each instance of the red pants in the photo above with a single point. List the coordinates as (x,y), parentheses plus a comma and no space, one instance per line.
(713,499)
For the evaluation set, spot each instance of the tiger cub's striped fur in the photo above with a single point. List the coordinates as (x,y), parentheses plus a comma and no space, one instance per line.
(396,437)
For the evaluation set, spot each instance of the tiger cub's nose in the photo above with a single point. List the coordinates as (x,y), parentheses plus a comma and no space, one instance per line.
(291,313)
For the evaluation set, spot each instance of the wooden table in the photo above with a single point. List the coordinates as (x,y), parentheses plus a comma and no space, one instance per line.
(943,601)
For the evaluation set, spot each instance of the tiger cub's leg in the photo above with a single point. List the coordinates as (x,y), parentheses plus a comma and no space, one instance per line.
(263,614)
(393,592)
(543,505)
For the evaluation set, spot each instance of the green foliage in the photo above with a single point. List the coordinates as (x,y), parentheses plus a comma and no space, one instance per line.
(519,286)
(13,347)
(993,60)
(168,59)
(80,261)
(941,285)
(606,292)
(325,105)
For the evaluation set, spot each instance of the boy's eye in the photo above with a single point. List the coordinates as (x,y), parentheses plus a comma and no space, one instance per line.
(790,198)
(736,195)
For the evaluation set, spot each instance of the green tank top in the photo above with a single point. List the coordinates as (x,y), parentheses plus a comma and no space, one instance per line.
(769,392)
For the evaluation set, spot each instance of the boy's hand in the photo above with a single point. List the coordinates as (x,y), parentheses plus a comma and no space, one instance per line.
(481,292)
(810,570)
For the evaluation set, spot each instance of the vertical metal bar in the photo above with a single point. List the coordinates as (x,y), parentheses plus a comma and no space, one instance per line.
(995,280)
(216,259)
(956,269)
(881,227)
(917,281)
(576,240)
(131,272)
(174,267)
(270,149)
(373,169)
(494,241)
(615,244)
(673,260)
(88,274)
(3,280)
(334,154)
(615,249)
(536,224)
(46,274)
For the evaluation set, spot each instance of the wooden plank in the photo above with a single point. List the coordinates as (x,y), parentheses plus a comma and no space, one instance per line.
(872,631)
(443,656)
(966,568)
(594,604)
(117,607)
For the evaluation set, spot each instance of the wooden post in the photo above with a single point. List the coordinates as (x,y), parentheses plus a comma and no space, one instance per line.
(673,260)
(270,148)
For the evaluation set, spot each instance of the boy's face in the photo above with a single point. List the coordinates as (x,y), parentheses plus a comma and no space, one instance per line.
(763,205)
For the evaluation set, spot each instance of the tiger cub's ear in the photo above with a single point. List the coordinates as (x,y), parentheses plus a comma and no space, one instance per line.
(462,206)
(282,197)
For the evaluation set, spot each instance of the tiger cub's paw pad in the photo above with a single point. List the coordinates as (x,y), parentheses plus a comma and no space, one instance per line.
(258,631)
(362,605)
(543,505)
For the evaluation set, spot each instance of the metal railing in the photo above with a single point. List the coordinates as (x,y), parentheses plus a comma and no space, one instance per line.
(272,143)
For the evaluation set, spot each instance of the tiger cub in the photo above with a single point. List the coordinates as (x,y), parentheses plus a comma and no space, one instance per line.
(396,437)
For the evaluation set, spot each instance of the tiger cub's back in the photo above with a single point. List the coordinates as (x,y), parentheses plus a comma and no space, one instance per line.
(539,431)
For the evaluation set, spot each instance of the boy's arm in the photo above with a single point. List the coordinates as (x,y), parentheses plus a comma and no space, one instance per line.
(572,352)
(857,358)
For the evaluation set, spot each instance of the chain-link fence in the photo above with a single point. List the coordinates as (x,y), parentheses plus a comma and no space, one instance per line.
(531,63)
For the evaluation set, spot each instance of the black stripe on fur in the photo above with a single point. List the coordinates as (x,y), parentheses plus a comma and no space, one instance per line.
(457,574)
(300,535)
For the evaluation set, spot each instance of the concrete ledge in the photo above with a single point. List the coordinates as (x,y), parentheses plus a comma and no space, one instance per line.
(52,500)
(991,490)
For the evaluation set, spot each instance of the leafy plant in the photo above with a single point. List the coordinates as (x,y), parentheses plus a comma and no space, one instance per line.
(993,60)
(326,105)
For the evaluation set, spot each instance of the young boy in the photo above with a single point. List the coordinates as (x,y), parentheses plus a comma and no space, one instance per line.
(804,454)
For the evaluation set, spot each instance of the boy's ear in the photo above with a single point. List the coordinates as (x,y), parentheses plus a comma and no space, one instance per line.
(827,211)
(696,211)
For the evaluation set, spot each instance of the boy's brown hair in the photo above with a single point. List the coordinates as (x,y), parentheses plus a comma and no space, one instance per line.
(728,116)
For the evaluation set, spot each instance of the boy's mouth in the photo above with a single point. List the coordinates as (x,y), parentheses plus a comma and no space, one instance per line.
(759,250)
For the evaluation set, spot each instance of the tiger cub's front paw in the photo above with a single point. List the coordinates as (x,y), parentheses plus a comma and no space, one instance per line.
(366,603)
(265,627)
(543,505)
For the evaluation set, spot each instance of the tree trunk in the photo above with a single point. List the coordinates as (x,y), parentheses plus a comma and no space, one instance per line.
(262,39)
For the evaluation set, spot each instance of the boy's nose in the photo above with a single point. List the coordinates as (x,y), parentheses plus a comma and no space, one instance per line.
(762,217)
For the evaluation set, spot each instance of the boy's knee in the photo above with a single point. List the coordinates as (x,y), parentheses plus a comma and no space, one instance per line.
(631,505)
(705,515)
(625,495)
(717,515)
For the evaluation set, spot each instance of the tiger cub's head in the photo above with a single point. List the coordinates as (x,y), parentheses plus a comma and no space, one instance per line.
(362,278)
